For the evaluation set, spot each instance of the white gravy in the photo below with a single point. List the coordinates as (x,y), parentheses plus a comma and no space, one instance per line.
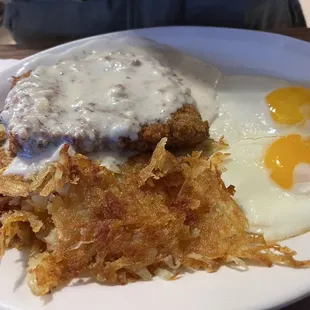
(92,101)
(27,166)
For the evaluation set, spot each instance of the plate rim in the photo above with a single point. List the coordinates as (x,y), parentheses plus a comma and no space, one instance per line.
(261,34)
(282,41)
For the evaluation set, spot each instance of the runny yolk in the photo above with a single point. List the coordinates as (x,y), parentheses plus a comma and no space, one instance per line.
(289,105)
(283,155)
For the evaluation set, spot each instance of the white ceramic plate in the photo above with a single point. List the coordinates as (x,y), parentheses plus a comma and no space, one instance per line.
(233,51)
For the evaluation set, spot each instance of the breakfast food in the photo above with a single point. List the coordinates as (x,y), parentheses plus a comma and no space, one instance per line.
(156,216)
(269,162)
(74,192)
(101,100)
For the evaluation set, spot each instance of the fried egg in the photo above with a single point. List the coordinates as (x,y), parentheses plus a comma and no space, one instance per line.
(266,124)
(257,107)
(277,212)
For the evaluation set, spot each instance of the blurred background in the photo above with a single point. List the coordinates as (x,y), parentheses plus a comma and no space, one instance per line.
(44,23)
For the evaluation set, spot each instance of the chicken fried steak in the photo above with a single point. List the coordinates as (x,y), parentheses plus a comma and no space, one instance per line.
(119,98)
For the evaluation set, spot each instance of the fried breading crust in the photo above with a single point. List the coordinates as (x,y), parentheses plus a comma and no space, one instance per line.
(158,215)
(20,77)
(184,128)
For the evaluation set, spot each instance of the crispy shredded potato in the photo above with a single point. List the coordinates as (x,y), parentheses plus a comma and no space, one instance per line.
(158,215)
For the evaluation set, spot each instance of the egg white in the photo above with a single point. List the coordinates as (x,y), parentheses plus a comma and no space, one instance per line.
(272,211)
(246,124)
(243,111)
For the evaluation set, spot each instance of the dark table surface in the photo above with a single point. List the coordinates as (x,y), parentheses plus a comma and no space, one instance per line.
(14,51)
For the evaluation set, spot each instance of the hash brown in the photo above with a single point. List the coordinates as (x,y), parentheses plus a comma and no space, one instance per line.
(158,216)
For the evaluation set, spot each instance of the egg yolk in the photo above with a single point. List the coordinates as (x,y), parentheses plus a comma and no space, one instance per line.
(289,105)
(283,155)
